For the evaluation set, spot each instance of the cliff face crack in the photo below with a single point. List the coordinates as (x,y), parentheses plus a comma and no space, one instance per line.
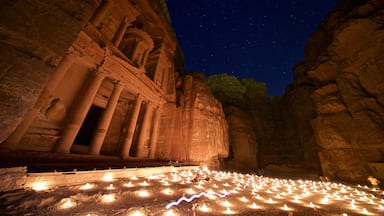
(4,72)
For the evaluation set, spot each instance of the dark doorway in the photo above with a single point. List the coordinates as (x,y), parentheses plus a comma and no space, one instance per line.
(89,125)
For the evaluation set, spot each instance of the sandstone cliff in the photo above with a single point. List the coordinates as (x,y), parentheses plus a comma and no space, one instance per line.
(197,130)
(343,75)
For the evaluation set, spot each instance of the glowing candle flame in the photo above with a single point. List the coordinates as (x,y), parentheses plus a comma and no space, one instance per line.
(312,205)
(87,186)
(110,187)
(286,208)
(108,198)
(40,186)
(243,199)
(167,191)
(254,206)
(324,200)
(144,183)
(229,211)
(190,191)
(169,213)
(204,208)
(68,203)
(143,193)
(137,213)
(108,177)
(129,184)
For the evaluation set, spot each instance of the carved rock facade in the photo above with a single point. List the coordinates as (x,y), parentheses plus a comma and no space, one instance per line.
(114,90)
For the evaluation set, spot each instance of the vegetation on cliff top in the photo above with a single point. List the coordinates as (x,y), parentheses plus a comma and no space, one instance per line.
(231,91)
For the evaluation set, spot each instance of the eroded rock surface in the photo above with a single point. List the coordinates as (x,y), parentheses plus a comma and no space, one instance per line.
(343,65)
(198,129)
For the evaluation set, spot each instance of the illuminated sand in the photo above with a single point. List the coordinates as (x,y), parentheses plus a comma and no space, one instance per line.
(194,191)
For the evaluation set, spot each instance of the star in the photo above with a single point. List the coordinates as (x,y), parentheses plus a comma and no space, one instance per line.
(255,33)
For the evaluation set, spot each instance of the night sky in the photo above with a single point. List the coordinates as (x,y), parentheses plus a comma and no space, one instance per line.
(259,39)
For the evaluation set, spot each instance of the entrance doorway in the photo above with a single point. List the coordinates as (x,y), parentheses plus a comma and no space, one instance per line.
(89,125)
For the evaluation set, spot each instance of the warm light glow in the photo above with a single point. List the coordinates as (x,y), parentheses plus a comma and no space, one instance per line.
(67,203)
(204,208)
(224,193)
(286,208)
(144,183)
(110,187)
(226,204)
(229,211)
(190,191)
(169,213)
(143,193)
(311,205)
(108,198)
(108,177)
(243,199)
(254,206)
(40,186)
(137,213)
(129,184)
(167,191)
(86,186)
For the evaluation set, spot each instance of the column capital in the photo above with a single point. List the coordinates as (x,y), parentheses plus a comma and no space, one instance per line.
(101,72)
(73,53)
(139,97)
(119,83)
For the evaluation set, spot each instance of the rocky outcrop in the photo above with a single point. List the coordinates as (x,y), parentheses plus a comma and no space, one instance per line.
(196,129)
(242,139)
(343,71)
(34,38)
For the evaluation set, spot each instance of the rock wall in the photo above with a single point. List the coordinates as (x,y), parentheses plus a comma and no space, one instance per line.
(196,129)
(343,71)
(243,141)
(283,130)
(34,38)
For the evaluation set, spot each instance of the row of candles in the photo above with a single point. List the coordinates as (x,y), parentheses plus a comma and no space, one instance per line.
(232,193)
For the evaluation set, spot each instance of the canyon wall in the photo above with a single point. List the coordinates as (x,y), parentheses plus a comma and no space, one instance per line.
(343,74)
(331,118)
(198,131)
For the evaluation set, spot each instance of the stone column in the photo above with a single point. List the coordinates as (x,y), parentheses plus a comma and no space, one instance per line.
(131,128)
(120,32)
(153,144)
(136,51)
(156,76)
(13,140)
(145,57)
(105,120)
(164,84)
(101,12)
(144,133)
(78,115)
